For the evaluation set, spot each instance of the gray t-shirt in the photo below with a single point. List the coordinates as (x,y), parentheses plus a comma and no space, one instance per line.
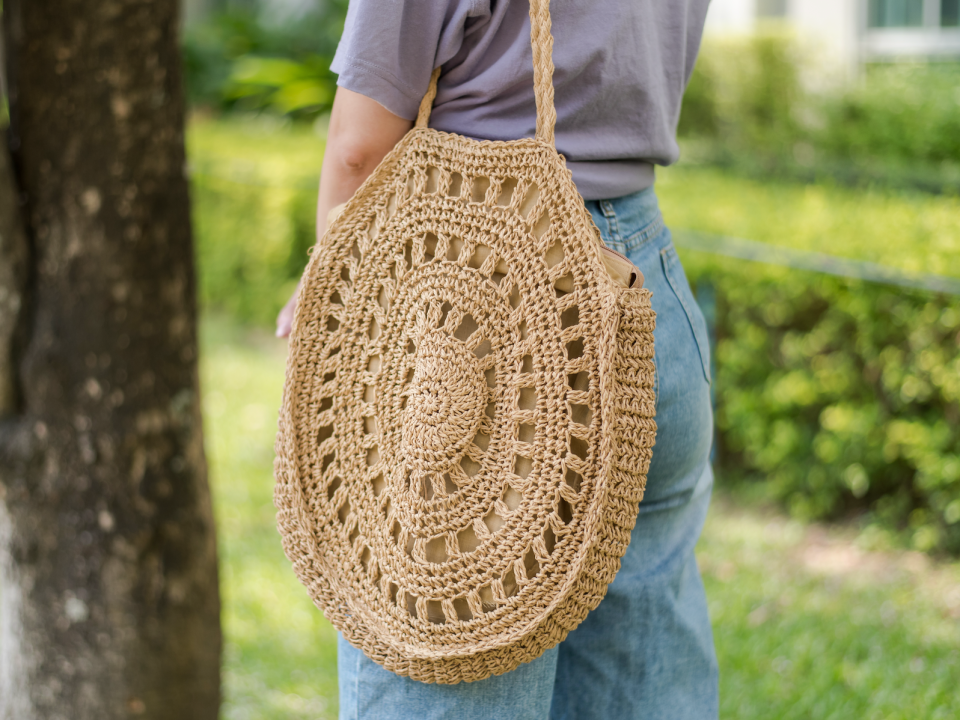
(621,69)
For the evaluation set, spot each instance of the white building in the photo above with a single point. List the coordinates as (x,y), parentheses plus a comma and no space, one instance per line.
(852,32)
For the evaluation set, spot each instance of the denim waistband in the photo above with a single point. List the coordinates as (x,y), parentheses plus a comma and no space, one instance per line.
(628,221)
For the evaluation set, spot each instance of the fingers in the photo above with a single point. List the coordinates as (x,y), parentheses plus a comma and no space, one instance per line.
(285,319)
(285,316)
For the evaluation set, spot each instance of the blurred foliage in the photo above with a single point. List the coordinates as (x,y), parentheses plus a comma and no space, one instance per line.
(904,112)
(287,86)
(254,192)
(744,93)
(236,61)
(840,396)
(834,397)
(759,104)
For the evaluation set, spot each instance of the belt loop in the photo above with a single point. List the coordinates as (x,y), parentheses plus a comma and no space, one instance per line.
(616,242)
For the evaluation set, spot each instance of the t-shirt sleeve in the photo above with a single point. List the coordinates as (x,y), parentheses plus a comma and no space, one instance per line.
(389,48)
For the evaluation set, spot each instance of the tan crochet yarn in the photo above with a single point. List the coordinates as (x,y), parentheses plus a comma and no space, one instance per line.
(467,419)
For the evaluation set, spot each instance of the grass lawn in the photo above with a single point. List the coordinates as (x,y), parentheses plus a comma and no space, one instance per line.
(281,659)
(263,151)
(907,230)
(911,231)
(807,624)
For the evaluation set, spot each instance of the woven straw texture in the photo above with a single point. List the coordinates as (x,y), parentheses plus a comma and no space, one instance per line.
(468,414)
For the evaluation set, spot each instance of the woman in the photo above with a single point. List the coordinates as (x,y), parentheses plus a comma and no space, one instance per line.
(621,67)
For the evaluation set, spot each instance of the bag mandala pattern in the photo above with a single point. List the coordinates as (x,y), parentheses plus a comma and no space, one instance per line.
(468,414)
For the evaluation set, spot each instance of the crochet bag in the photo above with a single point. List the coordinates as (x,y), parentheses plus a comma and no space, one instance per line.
(468,412)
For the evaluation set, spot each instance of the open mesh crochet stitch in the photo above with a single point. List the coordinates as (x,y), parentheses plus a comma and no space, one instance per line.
(468,414)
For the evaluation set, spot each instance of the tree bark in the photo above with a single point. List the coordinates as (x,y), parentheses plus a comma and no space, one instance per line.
(109,604)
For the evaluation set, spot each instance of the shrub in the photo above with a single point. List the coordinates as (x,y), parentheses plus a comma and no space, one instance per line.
(750,106)
(840,396)
(252,245)
(910,231)
(237,61)
(907,113)
(745,95)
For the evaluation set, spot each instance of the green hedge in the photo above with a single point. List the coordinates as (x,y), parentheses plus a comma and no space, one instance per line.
(841,397)
(911,231)
(834,397)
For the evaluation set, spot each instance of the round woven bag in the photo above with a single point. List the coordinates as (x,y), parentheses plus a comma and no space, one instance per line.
(467,418)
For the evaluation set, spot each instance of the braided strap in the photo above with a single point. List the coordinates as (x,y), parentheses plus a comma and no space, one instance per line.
(426,105)
(541,41)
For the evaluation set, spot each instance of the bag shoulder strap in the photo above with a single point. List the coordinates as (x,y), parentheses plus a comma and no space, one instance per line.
(541,41)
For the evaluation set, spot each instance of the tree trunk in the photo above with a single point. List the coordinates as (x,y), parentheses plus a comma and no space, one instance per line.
(109,604)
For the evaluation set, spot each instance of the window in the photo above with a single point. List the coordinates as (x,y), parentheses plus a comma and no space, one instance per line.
(949,13)
(909,13)
(895,13)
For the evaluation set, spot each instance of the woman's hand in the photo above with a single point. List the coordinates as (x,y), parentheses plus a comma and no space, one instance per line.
(285,317)
(361,133)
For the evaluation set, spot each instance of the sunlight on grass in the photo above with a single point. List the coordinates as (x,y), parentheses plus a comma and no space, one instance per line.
(280,653)
(264,150)
(909,231)
(807,624)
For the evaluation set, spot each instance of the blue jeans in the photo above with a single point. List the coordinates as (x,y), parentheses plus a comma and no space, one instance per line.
(647,650)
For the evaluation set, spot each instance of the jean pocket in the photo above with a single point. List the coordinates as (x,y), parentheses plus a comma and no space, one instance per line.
(677,279)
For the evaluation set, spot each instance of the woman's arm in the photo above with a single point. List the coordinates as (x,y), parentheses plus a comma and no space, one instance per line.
(361,133)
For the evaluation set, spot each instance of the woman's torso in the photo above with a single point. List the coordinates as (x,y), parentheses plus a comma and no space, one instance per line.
(621,68)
